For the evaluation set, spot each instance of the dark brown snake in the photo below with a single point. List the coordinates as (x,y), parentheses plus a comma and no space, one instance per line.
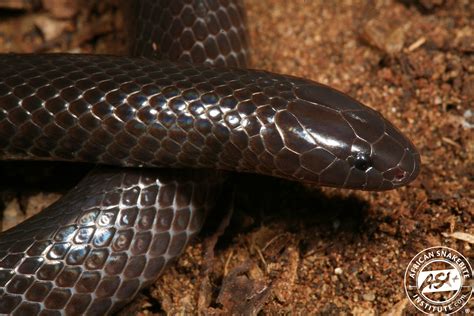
(113,234)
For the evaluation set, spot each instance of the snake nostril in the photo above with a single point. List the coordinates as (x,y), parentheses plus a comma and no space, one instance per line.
(396,175)
(400,175)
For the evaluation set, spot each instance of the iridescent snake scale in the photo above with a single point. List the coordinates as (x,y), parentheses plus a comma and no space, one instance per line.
(116,231)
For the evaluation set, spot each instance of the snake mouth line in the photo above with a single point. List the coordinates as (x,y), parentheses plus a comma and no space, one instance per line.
(198,107)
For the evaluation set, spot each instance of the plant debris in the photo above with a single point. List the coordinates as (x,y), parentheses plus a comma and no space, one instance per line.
(291,248)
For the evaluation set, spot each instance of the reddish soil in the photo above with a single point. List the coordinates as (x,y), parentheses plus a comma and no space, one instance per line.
(290,248)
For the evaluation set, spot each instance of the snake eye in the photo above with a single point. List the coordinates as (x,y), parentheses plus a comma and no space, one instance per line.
(362,161)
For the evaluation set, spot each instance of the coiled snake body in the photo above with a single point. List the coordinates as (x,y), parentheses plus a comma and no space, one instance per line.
(116,231)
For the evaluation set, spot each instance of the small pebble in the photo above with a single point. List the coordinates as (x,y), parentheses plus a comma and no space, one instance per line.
(368,296)
(468,121)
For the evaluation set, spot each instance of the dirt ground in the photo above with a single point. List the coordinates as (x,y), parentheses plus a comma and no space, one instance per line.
(291,249)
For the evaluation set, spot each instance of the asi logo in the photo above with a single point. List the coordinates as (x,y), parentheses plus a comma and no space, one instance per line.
(438,280)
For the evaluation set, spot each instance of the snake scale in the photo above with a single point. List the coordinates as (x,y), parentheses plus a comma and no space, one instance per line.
(184,101)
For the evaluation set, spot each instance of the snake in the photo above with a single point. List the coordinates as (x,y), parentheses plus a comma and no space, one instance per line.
(165,125)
